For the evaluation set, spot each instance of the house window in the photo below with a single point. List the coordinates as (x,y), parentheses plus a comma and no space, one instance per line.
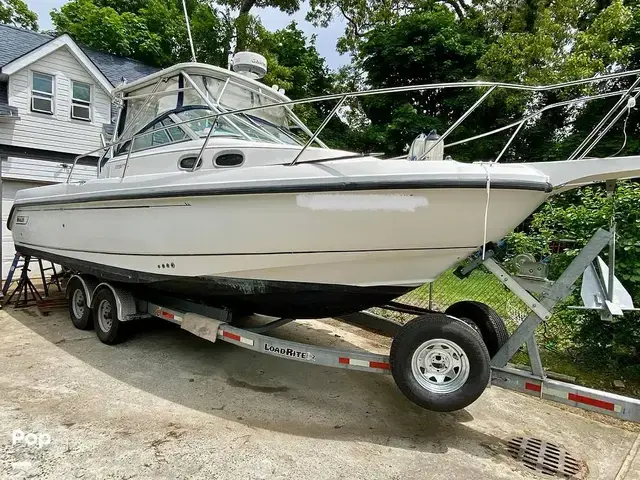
(81,101)
(42,93)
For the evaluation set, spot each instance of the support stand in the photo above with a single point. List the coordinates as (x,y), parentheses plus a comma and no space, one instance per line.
(25,287)
(54,277)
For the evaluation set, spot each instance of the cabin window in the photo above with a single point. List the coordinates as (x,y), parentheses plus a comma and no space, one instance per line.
(226,160)
(187,163)
(81,101)
(42,93)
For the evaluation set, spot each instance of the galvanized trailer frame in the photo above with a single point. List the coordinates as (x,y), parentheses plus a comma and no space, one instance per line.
(536,382)
(213,324)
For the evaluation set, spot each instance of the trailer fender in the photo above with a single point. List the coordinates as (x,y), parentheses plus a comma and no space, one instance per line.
(88,284)
(125,303)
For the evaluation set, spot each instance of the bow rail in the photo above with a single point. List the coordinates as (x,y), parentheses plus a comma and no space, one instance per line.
(627,96)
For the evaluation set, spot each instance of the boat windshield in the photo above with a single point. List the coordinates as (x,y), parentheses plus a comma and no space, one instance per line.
(283,134)
(231,125)
(174,100)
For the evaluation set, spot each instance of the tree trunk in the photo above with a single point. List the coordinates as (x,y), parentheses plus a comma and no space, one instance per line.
(456,7)
(242,23)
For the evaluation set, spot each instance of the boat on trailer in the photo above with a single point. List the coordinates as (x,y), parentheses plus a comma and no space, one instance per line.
(207,191)
(213,192)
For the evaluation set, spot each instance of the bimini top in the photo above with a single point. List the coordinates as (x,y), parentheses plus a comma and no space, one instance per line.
(194,68)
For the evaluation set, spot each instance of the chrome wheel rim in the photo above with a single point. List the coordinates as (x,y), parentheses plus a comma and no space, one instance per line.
(78,303)
(440,366)
(105,319)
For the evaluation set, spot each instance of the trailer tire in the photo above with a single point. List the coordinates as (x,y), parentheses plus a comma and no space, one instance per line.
(439,362)
(109,328)
(79,311)
(491,326)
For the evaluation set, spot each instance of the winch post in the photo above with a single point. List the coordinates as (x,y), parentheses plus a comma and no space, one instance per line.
(611,189)
(559,291)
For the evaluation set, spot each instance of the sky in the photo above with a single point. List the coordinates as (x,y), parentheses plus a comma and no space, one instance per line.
(271,18)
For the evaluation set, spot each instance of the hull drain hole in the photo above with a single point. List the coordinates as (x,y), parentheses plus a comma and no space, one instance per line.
(546,458)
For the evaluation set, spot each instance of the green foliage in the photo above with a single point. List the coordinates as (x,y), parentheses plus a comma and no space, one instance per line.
(364,16)
(16,12)
(152,31)
(244,21)
(428,46)
(543,43)
(573,218)
(104,29)
(556,44)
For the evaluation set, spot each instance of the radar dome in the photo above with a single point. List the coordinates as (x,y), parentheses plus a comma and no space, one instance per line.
(249,64)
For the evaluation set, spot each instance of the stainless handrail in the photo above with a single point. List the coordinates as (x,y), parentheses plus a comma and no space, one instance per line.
(319,129)
(457,123)
(604,119)
(606,129)
(343,96)
(536,113)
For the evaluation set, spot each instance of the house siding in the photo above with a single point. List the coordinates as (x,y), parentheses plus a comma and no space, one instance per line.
(57,132)
(44,171)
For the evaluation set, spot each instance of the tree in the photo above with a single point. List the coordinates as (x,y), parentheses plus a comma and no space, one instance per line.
(362,16)
(429,45)
(152,31)
(244,19)
(543,43)
(16,12)
(104,29)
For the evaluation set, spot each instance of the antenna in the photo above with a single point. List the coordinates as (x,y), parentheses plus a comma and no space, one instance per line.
(186,19)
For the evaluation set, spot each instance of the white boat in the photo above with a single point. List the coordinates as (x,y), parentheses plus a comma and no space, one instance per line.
(206,194)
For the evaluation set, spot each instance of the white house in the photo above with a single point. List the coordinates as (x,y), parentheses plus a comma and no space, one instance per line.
(55,104)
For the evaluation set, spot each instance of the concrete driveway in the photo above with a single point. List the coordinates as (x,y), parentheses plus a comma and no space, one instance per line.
(167,404)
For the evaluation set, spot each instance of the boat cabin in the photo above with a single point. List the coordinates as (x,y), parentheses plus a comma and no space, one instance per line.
(166,118)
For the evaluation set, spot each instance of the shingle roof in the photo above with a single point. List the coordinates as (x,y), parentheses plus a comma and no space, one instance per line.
(17,42)
(115,68)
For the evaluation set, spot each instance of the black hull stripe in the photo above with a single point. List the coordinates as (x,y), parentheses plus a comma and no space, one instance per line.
(111,195)
(242,254)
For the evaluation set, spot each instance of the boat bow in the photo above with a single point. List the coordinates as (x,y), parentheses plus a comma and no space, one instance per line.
(570,174)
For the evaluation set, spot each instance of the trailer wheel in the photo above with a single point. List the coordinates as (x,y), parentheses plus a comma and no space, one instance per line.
(491,326)
(79,311)
(109,328)
(439,362)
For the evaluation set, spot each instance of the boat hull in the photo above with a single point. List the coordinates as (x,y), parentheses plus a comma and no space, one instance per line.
(268,297)
(304,254)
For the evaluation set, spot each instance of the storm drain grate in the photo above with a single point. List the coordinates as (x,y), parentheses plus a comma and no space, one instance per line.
(546,458)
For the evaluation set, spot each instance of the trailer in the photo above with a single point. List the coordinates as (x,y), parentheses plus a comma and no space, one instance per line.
(441,361)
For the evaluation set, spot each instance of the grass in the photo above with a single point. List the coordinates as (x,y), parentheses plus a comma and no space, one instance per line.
(480,286)
(584,375)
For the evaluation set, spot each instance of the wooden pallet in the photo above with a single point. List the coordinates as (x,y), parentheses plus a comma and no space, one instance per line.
(52,303)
